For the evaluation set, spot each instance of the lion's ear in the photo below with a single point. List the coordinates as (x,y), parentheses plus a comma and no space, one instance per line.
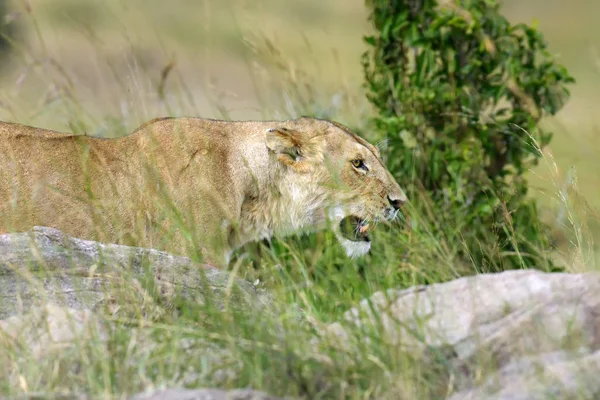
(287,144)
(284,141)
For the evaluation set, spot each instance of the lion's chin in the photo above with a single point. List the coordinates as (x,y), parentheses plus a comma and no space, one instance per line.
(353,248)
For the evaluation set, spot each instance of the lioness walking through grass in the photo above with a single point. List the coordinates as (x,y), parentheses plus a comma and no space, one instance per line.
(187,183)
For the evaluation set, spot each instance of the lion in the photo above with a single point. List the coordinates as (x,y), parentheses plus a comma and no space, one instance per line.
(191,184)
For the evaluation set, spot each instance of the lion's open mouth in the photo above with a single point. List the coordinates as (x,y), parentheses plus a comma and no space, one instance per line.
(355,229)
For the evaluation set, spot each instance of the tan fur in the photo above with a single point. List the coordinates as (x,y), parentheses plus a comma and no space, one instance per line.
(185,183)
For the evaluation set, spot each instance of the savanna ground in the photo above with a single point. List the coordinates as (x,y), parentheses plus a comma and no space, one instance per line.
(106,66)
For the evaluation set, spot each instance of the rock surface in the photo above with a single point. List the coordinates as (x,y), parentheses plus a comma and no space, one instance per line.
(50,328)
(56,293)
(203,394)
(47,266)
(513,335)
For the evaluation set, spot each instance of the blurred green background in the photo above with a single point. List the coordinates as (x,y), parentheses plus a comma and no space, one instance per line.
(106,66)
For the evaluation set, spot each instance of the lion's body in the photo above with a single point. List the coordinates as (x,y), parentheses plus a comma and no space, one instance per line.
(192,182)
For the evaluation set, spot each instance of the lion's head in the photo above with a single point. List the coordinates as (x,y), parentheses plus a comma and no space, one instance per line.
(336,176)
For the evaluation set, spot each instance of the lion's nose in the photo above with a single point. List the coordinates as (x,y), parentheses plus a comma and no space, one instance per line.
(396,202)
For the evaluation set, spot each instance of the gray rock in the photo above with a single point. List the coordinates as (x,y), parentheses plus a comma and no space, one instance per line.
(204,394)
(45,337)
(55,292)
(45,265)
(513,335)
(50,337)
(48,329)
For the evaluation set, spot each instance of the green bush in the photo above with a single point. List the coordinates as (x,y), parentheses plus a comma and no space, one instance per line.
(459,93)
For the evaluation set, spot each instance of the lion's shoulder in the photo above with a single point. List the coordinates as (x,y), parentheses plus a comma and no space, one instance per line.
(151,122)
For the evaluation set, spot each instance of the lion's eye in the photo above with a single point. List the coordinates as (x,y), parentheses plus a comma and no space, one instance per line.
(359,164)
